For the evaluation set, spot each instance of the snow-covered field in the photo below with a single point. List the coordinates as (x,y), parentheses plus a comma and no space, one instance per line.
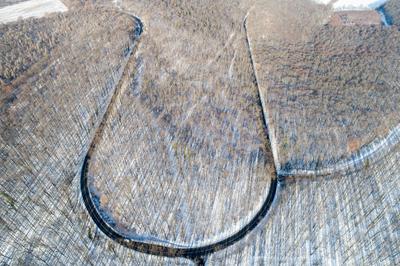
(32,8)
(357,4)
(353,4)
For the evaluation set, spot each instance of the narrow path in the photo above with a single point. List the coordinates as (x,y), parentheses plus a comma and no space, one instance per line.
(158,247)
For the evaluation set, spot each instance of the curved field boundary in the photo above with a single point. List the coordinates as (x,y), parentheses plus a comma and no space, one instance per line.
(369,154)
(157,247)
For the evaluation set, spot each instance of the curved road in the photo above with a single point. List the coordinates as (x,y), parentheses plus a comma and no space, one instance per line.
(195,253)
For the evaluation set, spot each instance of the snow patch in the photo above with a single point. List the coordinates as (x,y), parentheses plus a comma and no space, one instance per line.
(32,8)
(358,4)
(384,19)
(353,4)
(323,2)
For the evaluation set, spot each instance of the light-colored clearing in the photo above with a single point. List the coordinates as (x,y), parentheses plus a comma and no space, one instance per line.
(358,4)
(352,4)
(32,8)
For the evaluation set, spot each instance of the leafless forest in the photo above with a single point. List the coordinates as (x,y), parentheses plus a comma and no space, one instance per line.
(186,127)
(327,89)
